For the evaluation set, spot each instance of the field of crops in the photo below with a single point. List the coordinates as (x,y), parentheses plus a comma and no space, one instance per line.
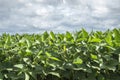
(69,56)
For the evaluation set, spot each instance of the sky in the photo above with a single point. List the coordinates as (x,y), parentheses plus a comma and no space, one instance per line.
(21,16)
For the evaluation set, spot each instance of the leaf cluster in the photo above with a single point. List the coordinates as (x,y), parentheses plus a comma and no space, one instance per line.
(69,56)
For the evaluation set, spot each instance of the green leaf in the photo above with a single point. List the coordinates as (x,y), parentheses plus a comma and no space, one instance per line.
(28,52)
(95,40)
(109,38)
(45,36)
(68,35)
(27,77)
(48,54)
(52,35)
(77,61)
(51,57)
(54,58)
(22,40)
(20,66)
(93,56)
(27,60)
(54,74)
(28,43)
(64,48)
(85,33)
(116,35)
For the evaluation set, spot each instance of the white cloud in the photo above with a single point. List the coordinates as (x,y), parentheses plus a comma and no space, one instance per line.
(58,15)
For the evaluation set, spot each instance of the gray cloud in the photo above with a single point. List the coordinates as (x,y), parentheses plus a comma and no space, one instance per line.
(58,15)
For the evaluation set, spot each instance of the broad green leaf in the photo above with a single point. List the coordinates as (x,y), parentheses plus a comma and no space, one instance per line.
(22,40)
(53,65)
(93,56)
(27,77)
(68,35)
(54,74)
(78,50)
(116,35)
(28,52)
(28,43)
(95,40)
(81,39)
(52,35)
(44,36)
(85,33)
(32,74)
(26,60)
(77,61)
(20,66)
(51,57)
(8,40)
(48,54)
(84,68)
(54,58)
(109,38)
(64,48)
(60,36)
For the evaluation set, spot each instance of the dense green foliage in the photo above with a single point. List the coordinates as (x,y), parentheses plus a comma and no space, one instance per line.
(68,56)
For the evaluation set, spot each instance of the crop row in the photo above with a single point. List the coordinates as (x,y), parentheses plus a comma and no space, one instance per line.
(69,56)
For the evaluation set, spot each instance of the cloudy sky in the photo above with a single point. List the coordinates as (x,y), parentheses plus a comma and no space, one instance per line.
(58,15)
